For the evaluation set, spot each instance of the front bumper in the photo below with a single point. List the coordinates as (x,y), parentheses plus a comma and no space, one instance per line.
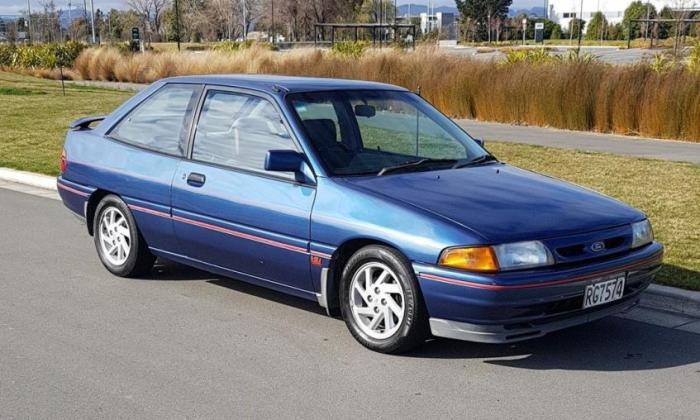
(516,306)
(484,333)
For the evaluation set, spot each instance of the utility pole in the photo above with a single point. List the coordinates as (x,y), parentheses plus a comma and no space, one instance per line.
(272,20)
(245,36)
(580,29)
(177,24)
(69,21)
(646,24)
(92,21)
(29,21)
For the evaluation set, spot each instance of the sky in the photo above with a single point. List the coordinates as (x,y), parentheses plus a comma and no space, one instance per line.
(12,7)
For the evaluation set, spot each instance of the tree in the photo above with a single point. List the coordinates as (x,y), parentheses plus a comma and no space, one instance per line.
(636,10)
(616,32)
(484,16)
(556,32)
(575,26)
(596,27)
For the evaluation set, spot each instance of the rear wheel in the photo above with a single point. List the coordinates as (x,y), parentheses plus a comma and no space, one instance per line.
(119,243)
(381,302)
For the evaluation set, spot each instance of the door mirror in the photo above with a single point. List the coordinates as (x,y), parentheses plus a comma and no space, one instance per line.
(367,111)
(283,161)
(480,142)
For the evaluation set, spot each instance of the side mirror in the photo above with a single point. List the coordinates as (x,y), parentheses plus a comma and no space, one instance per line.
(283,161)
(365,111)
(480,142)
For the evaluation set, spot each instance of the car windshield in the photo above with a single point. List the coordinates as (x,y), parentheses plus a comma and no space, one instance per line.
(379,132)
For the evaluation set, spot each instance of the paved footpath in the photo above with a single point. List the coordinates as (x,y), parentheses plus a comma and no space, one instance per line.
(564,139)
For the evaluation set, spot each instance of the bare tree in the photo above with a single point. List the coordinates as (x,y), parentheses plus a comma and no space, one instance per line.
(143,8)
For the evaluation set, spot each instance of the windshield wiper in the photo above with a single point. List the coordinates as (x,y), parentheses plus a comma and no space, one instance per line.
(476,161)
(413,165)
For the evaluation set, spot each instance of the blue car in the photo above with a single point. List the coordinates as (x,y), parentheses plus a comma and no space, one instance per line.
(358,195)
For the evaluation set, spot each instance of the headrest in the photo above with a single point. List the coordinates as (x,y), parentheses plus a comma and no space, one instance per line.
(322,131)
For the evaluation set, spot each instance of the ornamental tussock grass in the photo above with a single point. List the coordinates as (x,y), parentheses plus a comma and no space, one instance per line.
(576,94)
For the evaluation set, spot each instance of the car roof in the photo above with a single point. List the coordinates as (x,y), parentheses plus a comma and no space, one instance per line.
(275,83)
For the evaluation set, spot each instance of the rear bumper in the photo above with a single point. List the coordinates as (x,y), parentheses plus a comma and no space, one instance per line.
(517,306)
(508,333)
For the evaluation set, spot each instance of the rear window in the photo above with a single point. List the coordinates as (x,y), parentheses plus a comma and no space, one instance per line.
(161,122)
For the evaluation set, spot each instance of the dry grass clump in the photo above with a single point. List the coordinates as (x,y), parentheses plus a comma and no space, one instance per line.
(570,94)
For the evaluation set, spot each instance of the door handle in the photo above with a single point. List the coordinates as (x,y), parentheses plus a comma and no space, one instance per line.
(195,179)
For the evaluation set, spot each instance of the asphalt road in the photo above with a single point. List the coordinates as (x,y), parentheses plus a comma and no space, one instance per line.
(76,342)
(583,140)
(611,55)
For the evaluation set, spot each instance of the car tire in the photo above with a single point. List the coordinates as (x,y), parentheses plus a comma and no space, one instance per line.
(120,245)
(393,290)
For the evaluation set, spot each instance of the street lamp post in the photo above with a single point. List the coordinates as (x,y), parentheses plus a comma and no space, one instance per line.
(29,21)
(272,21)
(92,20)
(580,29)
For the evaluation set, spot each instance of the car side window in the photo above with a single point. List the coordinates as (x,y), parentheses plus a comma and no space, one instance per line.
(237,130)
(162,121)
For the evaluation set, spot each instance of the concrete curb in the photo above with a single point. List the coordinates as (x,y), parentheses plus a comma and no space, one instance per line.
(28,178)
(671,299)
(664,298)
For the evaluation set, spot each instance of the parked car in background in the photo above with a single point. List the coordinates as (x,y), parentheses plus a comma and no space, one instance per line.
(358,195)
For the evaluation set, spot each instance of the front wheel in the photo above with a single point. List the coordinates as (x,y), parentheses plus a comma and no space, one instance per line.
(381,302)
(119,243)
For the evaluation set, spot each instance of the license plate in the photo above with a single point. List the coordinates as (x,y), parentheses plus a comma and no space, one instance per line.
(604,291)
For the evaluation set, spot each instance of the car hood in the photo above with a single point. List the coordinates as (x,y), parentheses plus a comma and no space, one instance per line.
(503,203)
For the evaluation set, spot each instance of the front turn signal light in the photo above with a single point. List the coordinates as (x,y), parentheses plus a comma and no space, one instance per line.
(481,258)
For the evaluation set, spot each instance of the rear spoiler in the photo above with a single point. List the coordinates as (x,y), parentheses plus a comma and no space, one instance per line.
(84,123)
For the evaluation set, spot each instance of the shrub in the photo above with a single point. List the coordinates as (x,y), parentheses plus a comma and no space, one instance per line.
(694,59)
(530,56)
(45,56)
(353,49)
(232,46)
(537,88)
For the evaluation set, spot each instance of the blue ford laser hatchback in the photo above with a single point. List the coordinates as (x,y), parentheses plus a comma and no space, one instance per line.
(359,195)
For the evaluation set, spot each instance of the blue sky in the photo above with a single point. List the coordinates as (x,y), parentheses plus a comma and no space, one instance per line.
(11,7)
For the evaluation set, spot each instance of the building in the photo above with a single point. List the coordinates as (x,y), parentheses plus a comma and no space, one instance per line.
(443,22)
(562,11)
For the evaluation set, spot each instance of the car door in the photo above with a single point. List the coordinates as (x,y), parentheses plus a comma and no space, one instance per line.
(228,211)
(142,155)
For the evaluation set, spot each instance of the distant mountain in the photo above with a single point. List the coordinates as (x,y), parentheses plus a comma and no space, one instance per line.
(417,9)
(535,11)
(64,16)
(75,13)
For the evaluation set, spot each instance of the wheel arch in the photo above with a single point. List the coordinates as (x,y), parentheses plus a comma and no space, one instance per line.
(91,206)
(337,264)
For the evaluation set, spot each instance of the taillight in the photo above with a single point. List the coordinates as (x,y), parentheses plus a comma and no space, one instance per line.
(63,164)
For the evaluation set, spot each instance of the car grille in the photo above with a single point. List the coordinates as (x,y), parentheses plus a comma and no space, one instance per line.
(591,246)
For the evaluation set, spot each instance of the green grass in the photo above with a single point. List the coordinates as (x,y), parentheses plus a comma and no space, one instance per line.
(34,117)
(32,128)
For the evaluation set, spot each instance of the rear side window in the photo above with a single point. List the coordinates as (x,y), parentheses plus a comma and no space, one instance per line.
(237,130)
(161,122)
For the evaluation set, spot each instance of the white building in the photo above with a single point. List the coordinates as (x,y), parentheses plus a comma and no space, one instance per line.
(443,22)
(562,11)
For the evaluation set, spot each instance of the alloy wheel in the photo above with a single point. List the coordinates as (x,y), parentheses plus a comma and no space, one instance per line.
(377,300)
(115,236)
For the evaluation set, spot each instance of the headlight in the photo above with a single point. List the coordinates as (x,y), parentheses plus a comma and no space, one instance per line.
(523,255)
(499,257)
(642,233)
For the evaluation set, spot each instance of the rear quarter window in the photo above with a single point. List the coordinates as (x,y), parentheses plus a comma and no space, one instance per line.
(162,121)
